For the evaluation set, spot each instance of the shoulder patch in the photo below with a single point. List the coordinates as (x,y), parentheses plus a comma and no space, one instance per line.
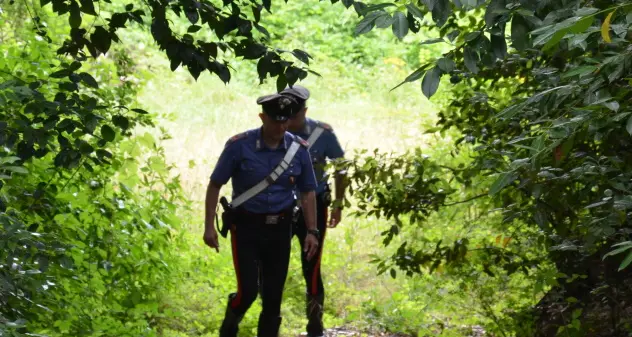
(325,126)
(301,141)
(236,137)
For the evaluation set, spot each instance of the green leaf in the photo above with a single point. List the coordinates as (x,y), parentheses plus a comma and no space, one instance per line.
(281,82)
(492,12)
(140,111)
(597,204)
(366,25)
(87,6)
(612,105)
(400,25)
(384,21)
(85,148)
(519,33)
(540,218)
(301,55)
(417,74)
(471,36)
(430,83)
(107,133)
(499,46)
(628,125)
(446,64)
(581,71)
(441,11)
(470,59)
(267,4)
(75,15)
(262,30)
(89,80)
(577,313)
(557,37)
(544,36)
(121,121)
(101,40)
(626,262)
(501,182)
(432,41)
(429,3)
(617,251)
(16,169)
(414,10)
(582,25)
(193,29)
(9,160)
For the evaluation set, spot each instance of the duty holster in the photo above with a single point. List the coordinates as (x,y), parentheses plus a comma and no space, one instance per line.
(325,197)
(228,217)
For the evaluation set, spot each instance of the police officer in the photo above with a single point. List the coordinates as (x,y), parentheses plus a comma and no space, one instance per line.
(323,144)
(261,226)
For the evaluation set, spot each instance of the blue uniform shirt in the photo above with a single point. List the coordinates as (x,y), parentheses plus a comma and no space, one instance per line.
(326,146)
(248,161)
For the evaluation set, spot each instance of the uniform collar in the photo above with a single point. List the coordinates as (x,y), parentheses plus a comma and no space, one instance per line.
(260,145)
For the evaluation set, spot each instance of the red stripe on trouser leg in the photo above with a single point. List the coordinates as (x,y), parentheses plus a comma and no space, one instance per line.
(317,266)
(237,299)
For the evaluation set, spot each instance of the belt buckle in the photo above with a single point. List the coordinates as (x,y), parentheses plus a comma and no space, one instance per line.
(272,219)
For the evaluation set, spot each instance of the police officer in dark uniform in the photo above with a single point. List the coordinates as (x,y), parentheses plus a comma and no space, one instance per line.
(261,218)
(323,145)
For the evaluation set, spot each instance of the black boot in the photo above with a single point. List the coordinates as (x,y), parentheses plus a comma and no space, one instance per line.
(315,315)
(268,326)
(230,325)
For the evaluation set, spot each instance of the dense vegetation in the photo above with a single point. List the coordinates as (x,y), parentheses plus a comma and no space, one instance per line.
(518,211)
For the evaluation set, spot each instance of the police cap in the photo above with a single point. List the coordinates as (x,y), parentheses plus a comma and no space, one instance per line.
(298,91)
(279,107)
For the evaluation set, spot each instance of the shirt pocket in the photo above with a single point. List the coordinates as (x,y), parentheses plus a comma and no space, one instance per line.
(252,171)
(291,174)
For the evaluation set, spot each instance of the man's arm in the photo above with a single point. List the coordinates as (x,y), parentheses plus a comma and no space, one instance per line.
(308,204)
(307,186)
(340,182)
(210,233)
(212,196)
(223,171)
(334,151)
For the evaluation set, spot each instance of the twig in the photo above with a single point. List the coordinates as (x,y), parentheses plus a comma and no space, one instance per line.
(466,200)
(73,174)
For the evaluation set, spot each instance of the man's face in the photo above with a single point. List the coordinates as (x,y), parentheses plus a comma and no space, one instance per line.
(297,121)
(272,128)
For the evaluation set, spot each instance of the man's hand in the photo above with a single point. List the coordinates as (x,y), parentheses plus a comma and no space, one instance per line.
(311,246)
(336,215)
(210,238)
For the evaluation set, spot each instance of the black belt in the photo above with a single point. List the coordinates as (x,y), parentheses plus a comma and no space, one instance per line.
(264,218)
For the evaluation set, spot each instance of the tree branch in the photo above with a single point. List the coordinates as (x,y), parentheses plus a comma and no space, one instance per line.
(466,200)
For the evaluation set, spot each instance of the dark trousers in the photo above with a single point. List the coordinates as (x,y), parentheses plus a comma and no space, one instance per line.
(315,291)
(259,250)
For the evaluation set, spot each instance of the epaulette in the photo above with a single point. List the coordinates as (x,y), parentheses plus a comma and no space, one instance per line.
(236,137)
(325,126)
(301,141)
